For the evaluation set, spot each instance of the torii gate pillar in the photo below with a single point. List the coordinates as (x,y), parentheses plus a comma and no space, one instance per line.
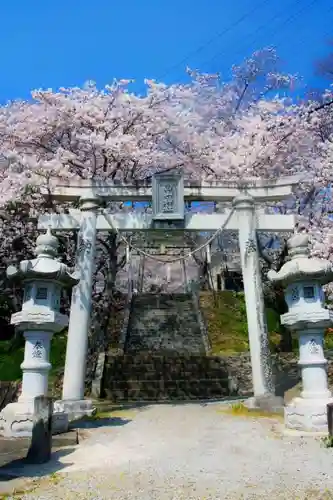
(262,376)
(73,402)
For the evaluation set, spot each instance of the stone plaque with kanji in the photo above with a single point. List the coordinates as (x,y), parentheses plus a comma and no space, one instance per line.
(168,197)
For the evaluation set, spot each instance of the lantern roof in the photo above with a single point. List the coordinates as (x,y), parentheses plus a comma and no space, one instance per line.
(46,265)
(47,245)
(301,266)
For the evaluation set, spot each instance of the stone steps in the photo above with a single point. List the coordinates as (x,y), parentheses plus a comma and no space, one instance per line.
(164,323)
(138,344)
(164,355)
(165,365)
(155,391)
(145,377)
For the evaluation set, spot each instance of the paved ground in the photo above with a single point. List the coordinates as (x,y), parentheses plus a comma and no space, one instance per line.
(13,453)
(186,452)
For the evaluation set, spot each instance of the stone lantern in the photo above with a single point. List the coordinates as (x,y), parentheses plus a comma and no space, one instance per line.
(303,277)
(43,278)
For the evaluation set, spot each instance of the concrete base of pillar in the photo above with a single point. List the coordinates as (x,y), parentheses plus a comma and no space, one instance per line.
(308,415)
(17,420)
(60,423)
(267,402)
(75,409)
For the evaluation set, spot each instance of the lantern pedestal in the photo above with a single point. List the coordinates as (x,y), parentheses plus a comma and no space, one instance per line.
(307,415)
(16,419)
(309,411)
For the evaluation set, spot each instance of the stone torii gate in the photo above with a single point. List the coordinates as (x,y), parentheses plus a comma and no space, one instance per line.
(168,195)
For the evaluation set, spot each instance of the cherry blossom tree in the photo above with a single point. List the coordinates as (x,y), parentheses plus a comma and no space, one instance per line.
(244,126)
(206,126)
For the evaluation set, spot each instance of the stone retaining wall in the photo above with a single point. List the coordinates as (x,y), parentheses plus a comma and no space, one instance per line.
(156,377)
(285,370)
(9,392)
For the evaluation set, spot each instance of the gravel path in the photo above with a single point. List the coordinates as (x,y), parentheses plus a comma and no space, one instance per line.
(189,452)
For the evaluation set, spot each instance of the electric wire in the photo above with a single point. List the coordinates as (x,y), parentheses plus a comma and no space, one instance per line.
(301,40)
(252,36)
(215,37)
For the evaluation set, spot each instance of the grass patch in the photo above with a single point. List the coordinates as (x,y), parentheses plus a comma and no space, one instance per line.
(227,324)
(54,478)
(240,410)
(120,414)
(327,441)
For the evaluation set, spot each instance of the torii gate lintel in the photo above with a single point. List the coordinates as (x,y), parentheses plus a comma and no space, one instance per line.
(219,191)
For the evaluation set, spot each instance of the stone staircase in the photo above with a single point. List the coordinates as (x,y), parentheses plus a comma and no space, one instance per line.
(165,355)
(164,324)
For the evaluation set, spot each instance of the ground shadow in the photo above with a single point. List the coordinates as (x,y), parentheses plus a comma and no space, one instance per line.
(286,380)
(119,406)
(94,423)
(21,467)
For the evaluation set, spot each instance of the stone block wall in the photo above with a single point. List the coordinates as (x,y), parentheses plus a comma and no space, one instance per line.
(153,377)
(149,377)
(164,323)
(9,392)
(285,370)
(239,371)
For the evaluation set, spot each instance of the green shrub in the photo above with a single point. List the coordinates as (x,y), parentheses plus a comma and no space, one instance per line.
(12,354)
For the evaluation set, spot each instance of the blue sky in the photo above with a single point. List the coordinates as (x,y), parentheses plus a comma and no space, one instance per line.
(51,44)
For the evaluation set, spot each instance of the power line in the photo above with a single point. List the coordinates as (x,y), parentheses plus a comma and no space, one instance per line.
(215,37)
(326,33)
(284,22)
